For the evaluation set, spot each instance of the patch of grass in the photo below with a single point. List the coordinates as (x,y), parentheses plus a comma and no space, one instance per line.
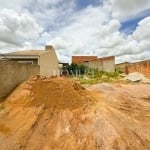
(89,81)
(2,107)
(98,77)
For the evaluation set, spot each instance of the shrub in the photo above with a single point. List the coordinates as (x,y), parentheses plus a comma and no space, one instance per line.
(73,68)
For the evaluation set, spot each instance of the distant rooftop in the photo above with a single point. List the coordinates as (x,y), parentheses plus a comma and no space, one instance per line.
(29,52)
(26,53)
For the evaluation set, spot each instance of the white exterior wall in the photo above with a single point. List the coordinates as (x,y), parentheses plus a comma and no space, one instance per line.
(48,63)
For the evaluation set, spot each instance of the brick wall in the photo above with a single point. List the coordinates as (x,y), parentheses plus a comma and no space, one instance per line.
(81,59)
(142,67)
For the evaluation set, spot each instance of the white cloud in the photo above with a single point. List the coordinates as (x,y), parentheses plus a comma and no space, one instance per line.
(143,30)
(62,57)
(19,4)
(123,10)
(59,43)
(51,14)
(89,31)
(95,34)
(134,58)
(16,4)
(79,36)
(15,29)
(135,45)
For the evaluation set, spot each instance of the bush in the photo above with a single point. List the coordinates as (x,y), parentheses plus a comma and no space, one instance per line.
(98,76)
(87,75)
(73,68)
(94,73)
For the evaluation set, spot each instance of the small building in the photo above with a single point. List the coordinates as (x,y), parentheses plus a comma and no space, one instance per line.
(106,64)
(46,59)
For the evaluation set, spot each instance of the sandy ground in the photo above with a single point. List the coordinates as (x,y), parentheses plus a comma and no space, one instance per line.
(103,117)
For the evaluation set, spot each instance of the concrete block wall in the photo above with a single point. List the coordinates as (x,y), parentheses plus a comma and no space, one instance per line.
(122,67)
(106,65)
(109,66)
(13,73)
(94,64)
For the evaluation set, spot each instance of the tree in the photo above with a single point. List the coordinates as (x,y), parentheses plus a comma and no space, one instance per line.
(73,68)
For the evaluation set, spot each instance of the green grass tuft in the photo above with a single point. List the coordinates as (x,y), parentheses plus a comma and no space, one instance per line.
(2,107)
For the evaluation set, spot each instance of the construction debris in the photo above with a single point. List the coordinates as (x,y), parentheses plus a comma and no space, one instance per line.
(136,77)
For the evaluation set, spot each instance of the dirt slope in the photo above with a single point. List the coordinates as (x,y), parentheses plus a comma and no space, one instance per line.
(59,114)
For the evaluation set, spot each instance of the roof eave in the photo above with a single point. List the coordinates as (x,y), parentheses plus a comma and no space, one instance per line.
(22,56)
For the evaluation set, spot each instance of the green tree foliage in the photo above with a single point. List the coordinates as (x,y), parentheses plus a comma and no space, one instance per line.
(73,68)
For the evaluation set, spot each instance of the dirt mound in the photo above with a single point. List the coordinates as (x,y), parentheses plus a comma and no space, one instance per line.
(115,118)
(58,93)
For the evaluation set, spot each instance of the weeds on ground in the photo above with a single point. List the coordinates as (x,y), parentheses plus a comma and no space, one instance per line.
(98,77)
(2,107)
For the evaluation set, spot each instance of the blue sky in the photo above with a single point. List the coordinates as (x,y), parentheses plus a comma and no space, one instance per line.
(130,25)
(81,4)
(77,27)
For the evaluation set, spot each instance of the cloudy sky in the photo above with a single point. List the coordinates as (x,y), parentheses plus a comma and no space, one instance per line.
(77,27)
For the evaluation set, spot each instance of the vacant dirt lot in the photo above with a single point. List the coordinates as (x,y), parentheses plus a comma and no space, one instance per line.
(59,114)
